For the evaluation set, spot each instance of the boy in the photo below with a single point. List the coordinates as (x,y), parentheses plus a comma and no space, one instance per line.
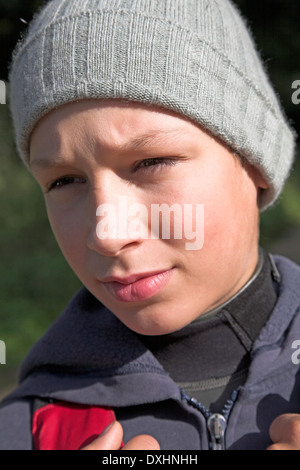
(156,139)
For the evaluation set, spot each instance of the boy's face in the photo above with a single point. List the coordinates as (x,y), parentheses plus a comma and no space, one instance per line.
(91,153)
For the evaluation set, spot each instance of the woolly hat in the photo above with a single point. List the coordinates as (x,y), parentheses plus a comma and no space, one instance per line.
(195,57)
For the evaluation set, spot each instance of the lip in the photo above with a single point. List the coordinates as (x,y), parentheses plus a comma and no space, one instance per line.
(132,278)
(137,287)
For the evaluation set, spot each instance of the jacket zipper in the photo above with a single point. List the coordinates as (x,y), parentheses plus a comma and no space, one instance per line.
(216,422)
(216,425)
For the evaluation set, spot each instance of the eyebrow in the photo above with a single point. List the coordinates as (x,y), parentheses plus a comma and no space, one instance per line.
(151,138)
(137,143)
(47,163)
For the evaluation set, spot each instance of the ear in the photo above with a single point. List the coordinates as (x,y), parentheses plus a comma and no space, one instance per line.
(261,182)
(257,176)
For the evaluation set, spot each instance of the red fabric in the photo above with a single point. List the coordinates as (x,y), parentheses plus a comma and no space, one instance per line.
(67,426)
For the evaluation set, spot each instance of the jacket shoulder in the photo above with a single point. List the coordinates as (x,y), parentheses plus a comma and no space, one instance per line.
(15,425)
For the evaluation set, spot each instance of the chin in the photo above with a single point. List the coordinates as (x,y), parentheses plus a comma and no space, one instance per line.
(154,325)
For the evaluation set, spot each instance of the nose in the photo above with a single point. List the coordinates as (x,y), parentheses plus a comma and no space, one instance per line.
(111,223)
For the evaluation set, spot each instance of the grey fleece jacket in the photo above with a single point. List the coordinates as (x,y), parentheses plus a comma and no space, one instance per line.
(88,356)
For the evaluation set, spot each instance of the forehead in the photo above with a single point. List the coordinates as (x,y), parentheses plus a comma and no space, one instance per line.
(117,118)
(113,124)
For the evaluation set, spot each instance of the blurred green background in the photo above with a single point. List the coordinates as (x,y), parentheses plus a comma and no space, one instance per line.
(35,281)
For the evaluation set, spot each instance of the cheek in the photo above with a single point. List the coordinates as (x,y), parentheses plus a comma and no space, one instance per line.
(231,221)
(230,211)
(69,233)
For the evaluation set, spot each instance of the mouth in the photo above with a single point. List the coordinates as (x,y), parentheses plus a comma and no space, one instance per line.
(137,287)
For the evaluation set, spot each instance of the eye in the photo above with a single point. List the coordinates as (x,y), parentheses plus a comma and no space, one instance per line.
(65,181)
(147,164)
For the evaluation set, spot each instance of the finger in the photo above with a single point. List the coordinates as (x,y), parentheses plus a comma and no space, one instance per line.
(142,442)
(283,446)
(110,439)
(285,430)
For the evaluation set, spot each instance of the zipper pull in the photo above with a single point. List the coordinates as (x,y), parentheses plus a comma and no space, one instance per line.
(216,424)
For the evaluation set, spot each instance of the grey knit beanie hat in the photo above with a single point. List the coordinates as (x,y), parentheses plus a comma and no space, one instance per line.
(195,57)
